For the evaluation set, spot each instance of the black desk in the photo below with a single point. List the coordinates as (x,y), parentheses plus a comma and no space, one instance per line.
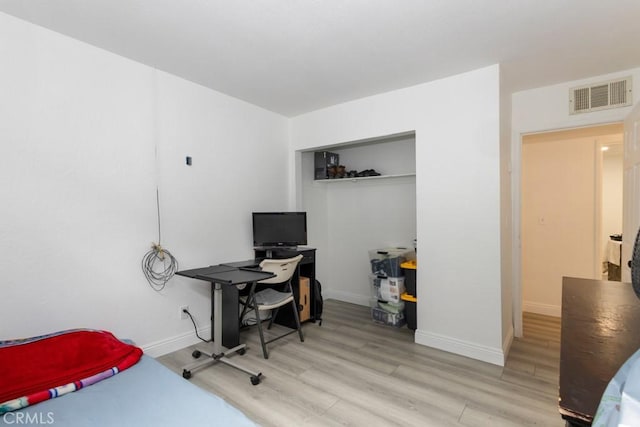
(306,268)
(224,277)
(249,263)
(600,331)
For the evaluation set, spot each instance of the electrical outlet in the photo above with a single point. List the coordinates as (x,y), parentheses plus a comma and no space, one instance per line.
(184,315)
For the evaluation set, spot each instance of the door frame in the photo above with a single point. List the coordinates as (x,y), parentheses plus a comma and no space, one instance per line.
(631,184)
(516,207)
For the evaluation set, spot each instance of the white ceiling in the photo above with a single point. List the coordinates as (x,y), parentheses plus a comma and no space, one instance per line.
(295,56)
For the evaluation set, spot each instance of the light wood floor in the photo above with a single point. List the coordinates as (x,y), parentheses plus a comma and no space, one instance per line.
(351,371)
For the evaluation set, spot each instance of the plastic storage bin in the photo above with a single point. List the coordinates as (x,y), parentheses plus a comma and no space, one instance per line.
(386,261)
(409,268)
(384,317)
(387,288)
(410,302)
(391,288)
(375,287)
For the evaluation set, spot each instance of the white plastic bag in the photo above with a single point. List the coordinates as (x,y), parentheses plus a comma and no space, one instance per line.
(620,403)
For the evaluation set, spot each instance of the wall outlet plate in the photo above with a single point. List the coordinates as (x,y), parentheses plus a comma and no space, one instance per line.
(184,315)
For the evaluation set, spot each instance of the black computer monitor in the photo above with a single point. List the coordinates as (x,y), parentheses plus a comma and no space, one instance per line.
(279,229)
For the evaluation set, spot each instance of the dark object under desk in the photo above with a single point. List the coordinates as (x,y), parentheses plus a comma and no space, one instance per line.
(600,331)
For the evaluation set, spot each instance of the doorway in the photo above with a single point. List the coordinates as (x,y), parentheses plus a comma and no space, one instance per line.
(567,179)
(612,198)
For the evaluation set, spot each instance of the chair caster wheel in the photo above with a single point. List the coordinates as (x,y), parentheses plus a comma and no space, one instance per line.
(255,380)
(186,374)
(196,354)
(242,351)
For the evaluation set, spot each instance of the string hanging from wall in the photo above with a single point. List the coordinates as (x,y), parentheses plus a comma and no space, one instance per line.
(159,265)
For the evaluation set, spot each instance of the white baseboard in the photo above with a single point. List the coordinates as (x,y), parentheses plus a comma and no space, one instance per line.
(346,297)
(162,347)
(508,340)
(538,308)
(495,356)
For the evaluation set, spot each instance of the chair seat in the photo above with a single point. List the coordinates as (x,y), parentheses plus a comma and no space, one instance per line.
(270,298)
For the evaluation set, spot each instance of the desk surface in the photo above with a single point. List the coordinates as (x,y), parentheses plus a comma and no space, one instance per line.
(600,331)
(226,274)
(193,273)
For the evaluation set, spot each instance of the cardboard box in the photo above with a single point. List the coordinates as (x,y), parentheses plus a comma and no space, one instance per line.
(305,298)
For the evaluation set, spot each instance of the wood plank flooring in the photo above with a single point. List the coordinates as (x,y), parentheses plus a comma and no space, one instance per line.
(352,371)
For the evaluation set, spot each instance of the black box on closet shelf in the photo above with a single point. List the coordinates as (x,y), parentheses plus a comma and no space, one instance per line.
(323,162)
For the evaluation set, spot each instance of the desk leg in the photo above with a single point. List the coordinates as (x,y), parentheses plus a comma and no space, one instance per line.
(217,315)
(230,316)
(220,353)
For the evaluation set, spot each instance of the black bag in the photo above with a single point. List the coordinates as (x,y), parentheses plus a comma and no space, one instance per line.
(317,289)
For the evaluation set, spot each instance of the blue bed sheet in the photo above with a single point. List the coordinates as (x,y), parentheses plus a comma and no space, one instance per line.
(147,394)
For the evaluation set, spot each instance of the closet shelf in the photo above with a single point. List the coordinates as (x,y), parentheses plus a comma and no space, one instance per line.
(362,178)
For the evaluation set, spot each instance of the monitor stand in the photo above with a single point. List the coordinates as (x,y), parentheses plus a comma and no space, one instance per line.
(269,250)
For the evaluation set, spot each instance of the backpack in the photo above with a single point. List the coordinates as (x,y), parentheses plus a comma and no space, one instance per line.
(317,289)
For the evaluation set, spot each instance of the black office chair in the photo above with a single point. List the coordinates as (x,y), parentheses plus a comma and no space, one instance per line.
(263,296)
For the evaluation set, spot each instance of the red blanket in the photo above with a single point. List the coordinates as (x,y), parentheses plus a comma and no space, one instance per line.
(34,366)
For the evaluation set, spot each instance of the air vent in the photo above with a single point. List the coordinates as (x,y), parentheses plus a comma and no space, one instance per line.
(600,96)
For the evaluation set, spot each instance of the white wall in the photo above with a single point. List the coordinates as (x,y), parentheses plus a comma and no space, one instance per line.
(558,217)
(545,109)
(78,175)
(458,207)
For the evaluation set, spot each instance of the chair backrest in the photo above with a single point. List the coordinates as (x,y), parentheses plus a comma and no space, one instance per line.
(282,268)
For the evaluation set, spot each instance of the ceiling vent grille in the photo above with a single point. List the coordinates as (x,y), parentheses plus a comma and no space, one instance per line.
(600,96)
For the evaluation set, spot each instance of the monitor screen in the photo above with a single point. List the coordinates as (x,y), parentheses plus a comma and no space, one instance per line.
(279,228)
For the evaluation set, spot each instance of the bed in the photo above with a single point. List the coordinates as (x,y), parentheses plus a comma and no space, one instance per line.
(145,393)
